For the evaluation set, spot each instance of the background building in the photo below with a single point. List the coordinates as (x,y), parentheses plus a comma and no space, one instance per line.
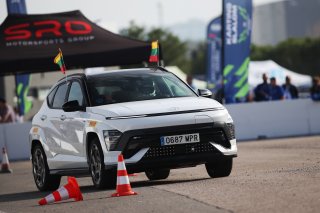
(278,21)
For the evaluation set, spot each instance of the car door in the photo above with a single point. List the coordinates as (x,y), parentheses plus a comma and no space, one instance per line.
(53,127)
(49,129)
(74,123)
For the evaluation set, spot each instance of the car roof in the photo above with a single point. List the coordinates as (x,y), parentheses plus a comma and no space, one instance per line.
(116,72)
(127,71)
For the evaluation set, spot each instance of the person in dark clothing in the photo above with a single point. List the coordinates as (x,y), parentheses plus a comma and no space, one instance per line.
(190,82)
(290,91)
(315,89)
(276,92)
(262,91)
(219,96)
(6,112)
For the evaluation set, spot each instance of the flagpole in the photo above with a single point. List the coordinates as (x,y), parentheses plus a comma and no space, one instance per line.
(158,53)
(65,72)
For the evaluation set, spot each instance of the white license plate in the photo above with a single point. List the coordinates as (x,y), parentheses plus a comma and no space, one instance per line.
(179,139)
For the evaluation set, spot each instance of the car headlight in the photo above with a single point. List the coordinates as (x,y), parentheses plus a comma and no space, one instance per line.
(111,138)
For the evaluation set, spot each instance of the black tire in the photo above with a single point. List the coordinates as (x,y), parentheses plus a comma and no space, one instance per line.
(101,178)
(41,173)
(157,174)
(219,168)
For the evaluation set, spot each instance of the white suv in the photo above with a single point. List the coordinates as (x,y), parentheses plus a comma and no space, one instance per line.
(149,115)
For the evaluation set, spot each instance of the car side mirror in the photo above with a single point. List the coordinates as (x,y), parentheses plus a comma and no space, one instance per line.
(205,93)
(72,106)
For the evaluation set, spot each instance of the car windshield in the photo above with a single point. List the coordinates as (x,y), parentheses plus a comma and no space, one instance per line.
(135,86)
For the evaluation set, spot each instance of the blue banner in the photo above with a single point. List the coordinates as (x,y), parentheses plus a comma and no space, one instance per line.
(214,46)
(237,21)
(22,81)
(16,7)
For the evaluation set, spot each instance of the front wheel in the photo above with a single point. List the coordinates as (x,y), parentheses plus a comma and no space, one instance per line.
(41,174)
(220,168)
(157,174)
(101,178)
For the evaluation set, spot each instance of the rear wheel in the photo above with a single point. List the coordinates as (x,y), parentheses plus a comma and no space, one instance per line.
(41,174)
(157,174)
(219,168)
(101,178)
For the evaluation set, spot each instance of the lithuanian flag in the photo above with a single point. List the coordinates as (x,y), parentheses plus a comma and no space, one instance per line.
(154,52)
(59,60)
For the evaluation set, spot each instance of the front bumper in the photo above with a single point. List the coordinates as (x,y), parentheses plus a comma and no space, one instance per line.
(142,148)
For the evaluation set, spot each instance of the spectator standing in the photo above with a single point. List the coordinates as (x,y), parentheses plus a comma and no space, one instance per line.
(315,89)
(290,91)
(262,91)
(219,96)
(190,82)
(7,114)
(276,92)
(18,117)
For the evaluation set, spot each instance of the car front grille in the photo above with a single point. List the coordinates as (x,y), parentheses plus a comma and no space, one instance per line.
(152,141)
(175,150)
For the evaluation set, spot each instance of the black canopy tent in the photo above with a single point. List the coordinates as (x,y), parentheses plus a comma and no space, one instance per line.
(29,44)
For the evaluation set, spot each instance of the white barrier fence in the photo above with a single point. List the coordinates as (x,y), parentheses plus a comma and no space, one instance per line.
(276,119)
(15,137)
(254,120)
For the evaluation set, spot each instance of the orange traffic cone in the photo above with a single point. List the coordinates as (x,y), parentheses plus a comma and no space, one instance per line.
(70,190)
(5,167)
(123,184)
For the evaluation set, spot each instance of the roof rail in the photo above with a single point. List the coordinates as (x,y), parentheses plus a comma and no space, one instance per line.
(73,75)
(155,68)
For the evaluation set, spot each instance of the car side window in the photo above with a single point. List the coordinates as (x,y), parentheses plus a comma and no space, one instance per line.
(50,96)
(75,93)
(59,98)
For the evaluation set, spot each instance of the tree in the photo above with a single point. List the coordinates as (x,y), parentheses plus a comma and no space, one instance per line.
(174,51)
(298,54)
(134,31)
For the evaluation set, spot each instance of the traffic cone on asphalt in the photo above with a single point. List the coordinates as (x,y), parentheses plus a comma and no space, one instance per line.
(5,167)
(70,190)
(123,184)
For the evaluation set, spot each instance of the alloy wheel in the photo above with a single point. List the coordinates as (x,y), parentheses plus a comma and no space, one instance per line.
(39,170)
(95,163)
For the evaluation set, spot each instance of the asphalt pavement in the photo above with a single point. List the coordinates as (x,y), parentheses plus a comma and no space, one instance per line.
(280,175)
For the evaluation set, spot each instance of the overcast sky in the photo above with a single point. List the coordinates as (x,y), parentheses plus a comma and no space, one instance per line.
(116,14)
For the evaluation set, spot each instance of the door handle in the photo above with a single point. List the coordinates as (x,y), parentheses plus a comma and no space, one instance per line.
(43,117)
(63,117)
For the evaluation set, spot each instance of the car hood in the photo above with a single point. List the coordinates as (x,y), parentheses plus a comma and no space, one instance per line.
(148,107)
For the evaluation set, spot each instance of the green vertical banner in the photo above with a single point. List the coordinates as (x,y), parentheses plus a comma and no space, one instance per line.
(237,22)
(22,81)
(22,89)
